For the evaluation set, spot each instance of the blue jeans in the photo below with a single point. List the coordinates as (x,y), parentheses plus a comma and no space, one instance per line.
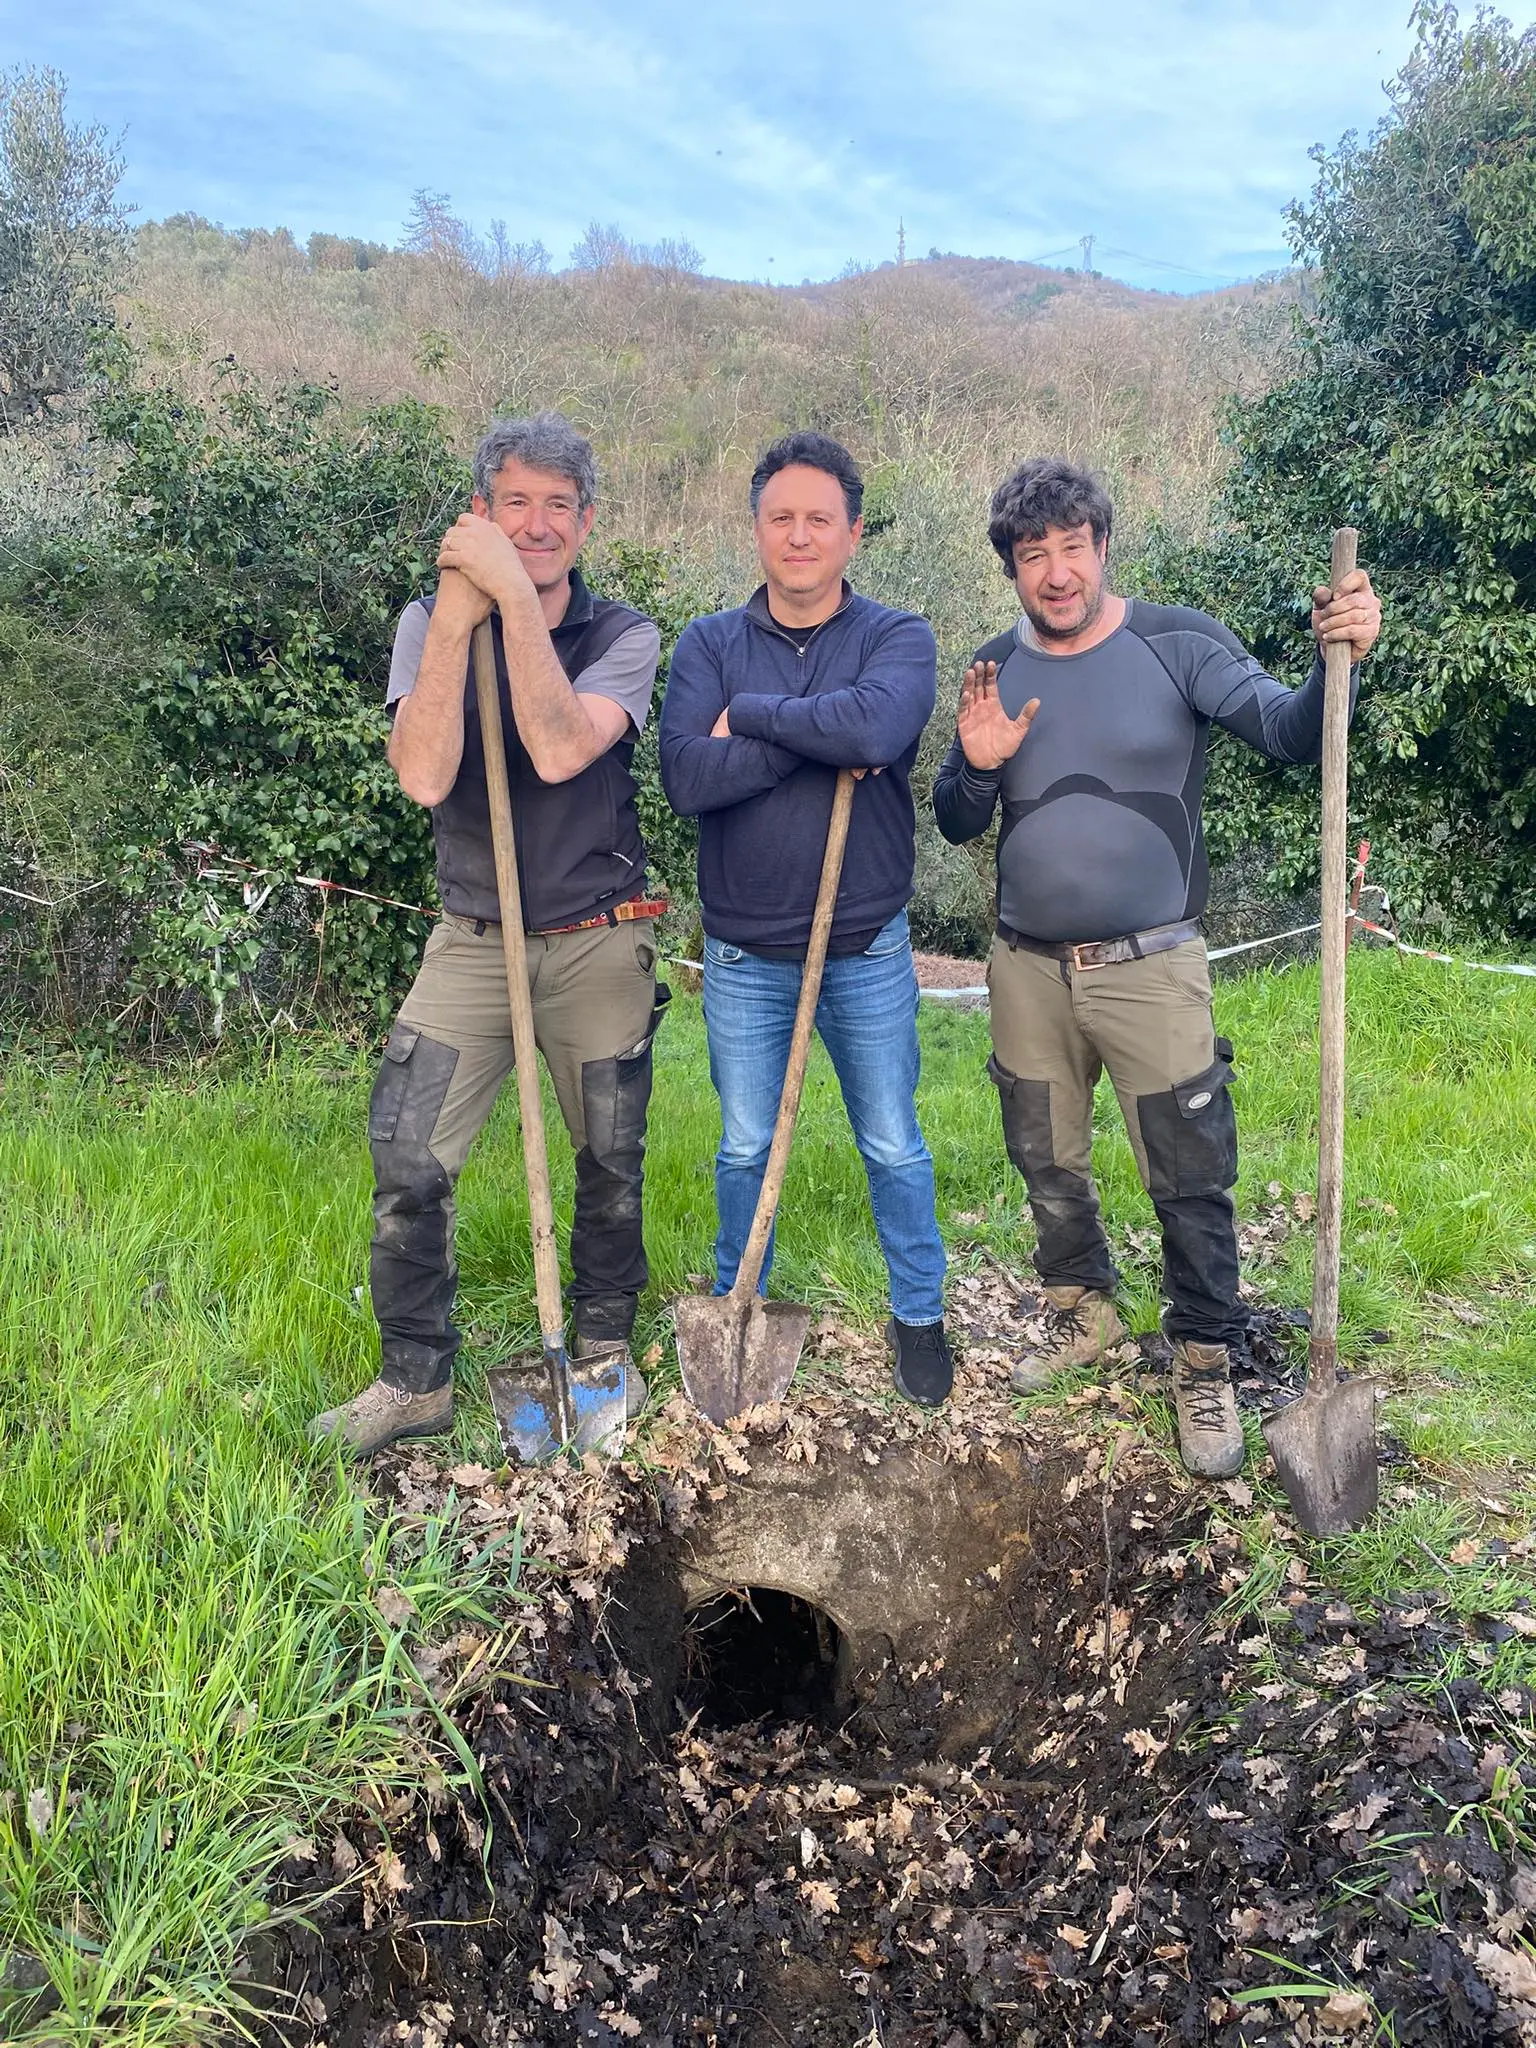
(867,1018)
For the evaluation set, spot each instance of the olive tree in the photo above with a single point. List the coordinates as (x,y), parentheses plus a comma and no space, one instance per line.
(63,246)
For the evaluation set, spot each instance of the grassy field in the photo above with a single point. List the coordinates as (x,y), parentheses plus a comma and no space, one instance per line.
(194,1660)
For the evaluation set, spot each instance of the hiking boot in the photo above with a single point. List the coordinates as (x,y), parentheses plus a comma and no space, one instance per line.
(383,1413)
(1210,1435)
(922,1364)
(608,1351)
(1080,1326)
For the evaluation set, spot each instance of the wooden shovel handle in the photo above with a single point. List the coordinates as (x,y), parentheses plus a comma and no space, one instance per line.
(1323,1363)
(800,1044)
(541,1214)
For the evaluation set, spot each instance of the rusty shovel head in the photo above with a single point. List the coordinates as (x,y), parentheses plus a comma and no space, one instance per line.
(1324,1448)
(546,1405)
(735,1353)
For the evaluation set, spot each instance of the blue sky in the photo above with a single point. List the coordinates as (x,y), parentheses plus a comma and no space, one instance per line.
(783,142)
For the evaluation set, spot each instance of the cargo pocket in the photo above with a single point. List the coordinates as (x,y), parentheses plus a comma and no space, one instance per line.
(1189,1132)
(411,1088)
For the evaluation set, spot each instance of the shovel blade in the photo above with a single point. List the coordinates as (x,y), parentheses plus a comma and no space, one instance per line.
(1324,1448)
(544,1405)
(735,1353)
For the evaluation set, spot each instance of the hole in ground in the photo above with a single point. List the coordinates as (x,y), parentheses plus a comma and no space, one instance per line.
(759,1654)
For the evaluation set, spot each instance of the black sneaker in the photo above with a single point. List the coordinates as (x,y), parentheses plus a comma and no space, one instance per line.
(922,1364)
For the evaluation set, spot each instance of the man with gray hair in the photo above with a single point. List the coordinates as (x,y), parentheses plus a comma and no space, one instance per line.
(575,675)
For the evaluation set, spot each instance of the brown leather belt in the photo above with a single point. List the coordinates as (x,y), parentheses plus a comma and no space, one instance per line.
(618,913)
(1104,952)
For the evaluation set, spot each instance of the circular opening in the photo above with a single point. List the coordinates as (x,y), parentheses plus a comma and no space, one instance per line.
(758,1654)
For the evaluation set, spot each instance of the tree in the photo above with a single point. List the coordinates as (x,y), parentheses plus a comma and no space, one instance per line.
(63,246)
(1413,417)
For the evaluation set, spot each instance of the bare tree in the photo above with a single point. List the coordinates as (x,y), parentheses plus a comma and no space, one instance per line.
(63,246)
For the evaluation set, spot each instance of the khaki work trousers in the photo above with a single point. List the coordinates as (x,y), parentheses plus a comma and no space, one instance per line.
(596,1004)
(1055,1029)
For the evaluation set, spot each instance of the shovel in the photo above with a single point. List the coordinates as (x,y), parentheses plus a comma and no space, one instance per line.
(1324,1445)
(539,1408)
(736,1349)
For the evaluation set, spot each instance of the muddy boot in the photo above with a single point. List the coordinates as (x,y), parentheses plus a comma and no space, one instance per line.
(1210,1435)
(1080,1326)
(601,1326)
(610,1350)
(383,1413)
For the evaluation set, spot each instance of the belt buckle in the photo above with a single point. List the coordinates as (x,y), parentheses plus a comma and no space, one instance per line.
(1083,966)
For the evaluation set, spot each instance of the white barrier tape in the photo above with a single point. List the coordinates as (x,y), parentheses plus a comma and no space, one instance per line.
(1446,959)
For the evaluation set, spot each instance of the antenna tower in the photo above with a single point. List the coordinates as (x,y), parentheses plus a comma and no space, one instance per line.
(1087,248)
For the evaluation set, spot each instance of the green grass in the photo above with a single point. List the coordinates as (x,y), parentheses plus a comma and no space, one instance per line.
(192,1667)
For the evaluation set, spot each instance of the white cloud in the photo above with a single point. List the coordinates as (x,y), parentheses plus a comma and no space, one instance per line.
(1178,130)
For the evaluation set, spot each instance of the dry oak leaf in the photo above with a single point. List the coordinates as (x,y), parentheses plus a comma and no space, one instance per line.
(1074,1937)
(470,1477)
(396,1607)
(1363,1816)
(819,1896)
(1346,2011)
(1512,1972)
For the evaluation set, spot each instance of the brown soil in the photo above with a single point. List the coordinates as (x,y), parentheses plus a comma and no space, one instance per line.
(1073,1794)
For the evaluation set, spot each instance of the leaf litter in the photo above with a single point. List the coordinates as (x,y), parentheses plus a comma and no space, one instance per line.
(1121,1807)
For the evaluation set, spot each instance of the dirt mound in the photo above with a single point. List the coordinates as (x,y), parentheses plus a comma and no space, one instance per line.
(855,1726)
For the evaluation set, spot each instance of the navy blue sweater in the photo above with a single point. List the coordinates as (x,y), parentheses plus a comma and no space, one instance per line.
(857,696)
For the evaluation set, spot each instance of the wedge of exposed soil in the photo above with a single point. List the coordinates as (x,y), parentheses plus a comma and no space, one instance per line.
(858,1726)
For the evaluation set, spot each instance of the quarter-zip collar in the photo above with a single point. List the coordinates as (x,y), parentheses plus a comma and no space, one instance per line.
(757,611)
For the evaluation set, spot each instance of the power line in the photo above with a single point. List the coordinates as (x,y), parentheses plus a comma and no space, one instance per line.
(1160,263)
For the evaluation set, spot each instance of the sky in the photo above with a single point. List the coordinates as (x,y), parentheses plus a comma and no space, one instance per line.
(784,142)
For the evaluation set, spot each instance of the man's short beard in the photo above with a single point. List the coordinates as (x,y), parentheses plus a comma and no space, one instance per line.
(1043,630)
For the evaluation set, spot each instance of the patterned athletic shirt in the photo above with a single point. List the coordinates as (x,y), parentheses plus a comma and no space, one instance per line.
(1101,831)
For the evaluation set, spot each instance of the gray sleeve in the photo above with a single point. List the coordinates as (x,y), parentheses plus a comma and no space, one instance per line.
(410,639)
(626,673)
(1220,680)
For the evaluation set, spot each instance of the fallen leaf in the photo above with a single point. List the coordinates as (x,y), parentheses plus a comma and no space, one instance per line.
(1467,1551)
(1074,1937)
(395,1606)
(819,1896)
(40,1810)
(470,1477)
(1512,1972)
(1346,2011)
(1363,1816)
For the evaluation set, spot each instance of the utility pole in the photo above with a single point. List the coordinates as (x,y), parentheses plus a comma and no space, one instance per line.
(901,244)
(1087,247)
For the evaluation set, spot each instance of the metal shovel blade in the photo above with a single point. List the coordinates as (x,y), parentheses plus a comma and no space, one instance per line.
(1324,1448)
(736,1353)
(546,1404)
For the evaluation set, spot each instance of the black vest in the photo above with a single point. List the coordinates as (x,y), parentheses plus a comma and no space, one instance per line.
(578,842)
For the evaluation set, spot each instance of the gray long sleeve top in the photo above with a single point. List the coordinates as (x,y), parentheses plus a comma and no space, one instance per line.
(1101,831)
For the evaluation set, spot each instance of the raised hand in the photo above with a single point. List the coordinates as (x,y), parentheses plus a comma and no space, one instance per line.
(987,734)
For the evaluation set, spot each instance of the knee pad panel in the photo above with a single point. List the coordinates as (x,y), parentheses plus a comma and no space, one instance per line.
(1026,1107)
(616,1095)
